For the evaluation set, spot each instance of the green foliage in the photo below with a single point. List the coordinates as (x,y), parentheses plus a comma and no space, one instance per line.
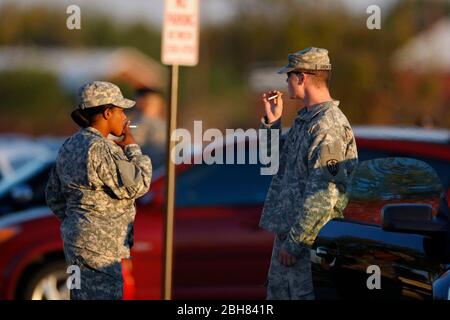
(31,100)
(262,31)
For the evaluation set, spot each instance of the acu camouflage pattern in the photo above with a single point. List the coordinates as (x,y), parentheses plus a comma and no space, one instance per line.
(100,276)
(92,190)
(98,93)
(318,156)
(317,159)
(293,282)
(307,59)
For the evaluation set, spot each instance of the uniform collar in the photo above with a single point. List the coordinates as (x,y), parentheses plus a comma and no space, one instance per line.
(93,131)
(307,113)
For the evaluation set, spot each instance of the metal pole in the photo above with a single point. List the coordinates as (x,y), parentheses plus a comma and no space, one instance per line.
(170,187)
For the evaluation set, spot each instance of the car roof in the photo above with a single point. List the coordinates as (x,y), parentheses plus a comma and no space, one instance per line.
(413,134)
(441,136)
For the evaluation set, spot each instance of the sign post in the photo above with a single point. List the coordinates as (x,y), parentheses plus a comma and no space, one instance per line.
(180,42)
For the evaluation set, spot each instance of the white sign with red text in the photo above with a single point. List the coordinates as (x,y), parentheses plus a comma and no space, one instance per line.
(180,35)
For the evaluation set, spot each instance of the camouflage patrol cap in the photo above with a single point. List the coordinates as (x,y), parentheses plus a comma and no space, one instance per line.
(99,93)
(307,59)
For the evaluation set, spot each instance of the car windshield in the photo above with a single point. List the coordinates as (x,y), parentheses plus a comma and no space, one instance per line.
(25,171)
(19,158)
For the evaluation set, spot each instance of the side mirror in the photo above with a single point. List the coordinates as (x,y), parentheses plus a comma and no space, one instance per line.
(411,218)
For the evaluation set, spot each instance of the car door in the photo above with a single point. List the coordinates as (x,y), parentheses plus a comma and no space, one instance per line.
(220,252)
(350,253)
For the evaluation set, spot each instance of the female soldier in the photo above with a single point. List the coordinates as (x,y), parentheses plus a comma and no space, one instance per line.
(92,190)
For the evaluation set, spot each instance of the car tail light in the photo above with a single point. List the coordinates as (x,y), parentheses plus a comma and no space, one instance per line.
(128,280)
(8,233)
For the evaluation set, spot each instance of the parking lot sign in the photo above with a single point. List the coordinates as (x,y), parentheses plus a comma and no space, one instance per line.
(180,35)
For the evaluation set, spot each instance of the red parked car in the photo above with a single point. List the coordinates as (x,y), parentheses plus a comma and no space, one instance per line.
(219,250)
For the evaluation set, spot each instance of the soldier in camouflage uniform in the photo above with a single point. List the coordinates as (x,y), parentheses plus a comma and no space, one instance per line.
(92,190)
(317,157)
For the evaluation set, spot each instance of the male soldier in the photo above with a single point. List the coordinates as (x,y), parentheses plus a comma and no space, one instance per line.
(317,158)
(92,190)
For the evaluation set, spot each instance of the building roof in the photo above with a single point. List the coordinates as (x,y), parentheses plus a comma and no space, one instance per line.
(428,51)
(77,66)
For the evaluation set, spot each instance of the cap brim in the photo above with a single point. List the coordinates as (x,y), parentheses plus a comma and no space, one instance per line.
(125,103)
(285,69)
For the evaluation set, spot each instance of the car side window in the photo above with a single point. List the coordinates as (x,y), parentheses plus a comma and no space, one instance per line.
(370,212)
(440,166)
(33,186)
(226,184)
(366,154)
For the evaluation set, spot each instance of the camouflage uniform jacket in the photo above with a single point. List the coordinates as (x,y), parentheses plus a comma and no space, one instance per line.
(317,158)
(92,190)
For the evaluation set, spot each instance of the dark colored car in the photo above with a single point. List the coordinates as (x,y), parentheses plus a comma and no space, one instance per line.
(406,255)
(219,250)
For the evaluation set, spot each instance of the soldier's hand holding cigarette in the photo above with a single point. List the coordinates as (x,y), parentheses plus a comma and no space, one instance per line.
(127,136)
(273,104)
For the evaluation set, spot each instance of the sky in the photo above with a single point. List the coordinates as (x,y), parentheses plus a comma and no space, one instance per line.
(151,11)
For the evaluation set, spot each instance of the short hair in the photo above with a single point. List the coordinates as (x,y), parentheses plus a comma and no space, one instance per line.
(319,77)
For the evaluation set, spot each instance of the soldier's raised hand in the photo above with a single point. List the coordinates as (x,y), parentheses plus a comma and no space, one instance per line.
(273,107)
(127,136)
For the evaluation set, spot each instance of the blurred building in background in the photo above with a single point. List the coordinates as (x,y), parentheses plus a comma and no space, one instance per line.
(128,67)
(422,69)
(73,67)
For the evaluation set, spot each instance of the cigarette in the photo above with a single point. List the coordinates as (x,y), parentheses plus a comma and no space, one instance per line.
(275,96)
(133,126)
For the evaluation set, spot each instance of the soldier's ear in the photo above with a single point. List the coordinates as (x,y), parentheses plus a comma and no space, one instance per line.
(107,113)
(301,78)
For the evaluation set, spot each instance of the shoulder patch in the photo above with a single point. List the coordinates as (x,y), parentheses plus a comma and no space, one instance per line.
(331,158)
(333,166)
